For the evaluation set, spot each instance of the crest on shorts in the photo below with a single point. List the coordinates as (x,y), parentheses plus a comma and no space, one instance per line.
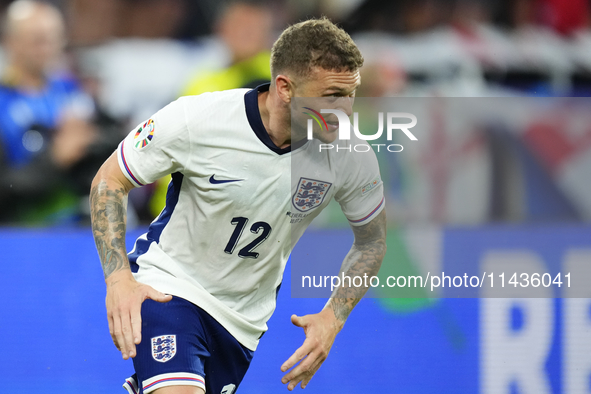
(144,134)
(309,194)
(163,347)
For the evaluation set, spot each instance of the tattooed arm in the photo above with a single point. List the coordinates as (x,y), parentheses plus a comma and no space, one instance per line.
(108,201)
(364,258)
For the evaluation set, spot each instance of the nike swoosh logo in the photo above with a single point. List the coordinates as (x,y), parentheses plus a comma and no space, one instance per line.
(216,181)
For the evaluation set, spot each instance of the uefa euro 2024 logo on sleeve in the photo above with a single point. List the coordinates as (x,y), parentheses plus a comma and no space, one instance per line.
(345,129)
(143,135)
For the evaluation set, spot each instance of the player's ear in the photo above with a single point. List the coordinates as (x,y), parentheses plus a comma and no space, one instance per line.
(284,87)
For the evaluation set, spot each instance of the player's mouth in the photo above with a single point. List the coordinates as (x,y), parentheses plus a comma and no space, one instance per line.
(332,126)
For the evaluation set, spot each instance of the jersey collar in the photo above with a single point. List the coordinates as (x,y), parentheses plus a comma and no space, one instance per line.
(251,101)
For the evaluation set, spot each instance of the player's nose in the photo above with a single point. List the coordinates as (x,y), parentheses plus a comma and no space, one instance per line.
(346,105)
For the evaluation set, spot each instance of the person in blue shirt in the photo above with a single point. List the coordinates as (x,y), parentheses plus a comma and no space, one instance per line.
(45,128)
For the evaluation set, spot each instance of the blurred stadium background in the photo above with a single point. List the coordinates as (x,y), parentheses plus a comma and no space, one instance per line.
(521,188)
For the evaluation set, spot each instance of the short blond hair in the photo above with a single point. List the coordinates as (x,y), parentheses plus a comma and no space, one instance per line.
(314,43)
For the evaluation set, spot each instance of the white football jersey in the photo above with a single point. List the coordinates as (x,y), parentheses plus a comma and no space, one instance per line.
(235,206)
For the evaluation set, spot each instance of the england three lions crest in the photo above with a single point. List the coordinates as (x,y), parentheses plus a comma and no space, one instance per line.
(309,194)
(163,347)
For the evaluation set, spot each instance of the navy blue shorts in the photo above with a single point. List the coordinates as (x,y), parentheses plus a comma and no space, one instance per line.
(183,345)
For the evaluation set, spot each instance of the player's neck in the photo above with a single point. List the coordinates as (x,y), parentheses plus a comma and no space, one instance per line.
(275,118)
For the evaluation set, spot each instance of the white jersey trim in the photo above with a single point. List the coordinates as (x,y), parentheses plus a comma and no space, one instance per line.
(370,216)
(131,386)
(125,167)
(173,379)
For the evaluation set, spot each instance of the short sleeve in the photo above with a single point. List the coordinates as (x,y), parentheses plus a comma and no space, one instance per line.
(361,196)
(159,146)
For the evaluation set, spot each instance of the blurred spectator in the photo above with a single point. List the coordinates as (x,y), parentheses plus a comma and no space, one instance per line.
(164,16)
(44,128)
(564,16)
(92,22)
(245,27)
(403,16)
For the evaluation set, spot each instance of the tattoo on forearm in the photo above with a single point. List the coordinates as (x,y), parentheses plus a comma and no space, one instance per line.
(108,216)
(364,258)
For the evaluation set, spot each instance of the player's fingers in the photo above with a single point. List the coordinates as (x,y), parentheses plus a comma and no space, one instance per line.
(301,370)
(126,328)
(305,374)
(118,334)
(303,379)
(112,330)
(158,296)
(312,372)
(299,354)
(293,383)
(136,325)
(299,321)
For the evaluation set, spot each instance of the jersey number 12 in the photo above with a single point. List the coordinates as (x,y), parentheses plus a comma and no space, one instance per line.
(247,251)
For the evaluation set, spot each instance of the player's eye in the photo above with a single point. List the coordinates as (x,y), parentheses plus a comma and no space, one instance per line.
(334,96)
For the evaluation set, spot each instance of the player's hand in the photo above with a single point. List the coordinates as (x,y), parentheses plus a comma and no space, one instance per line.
(124,302)
(321,330)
